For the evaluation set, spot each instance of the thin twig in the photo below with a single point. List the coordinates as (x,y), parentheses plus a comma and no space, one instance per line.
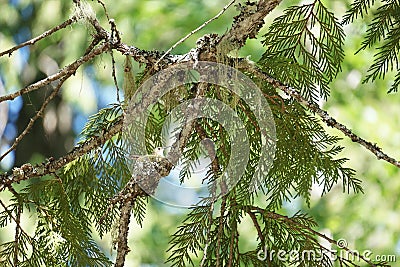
(12,217)
(216,170)
(43,35)
(104,8)
(37,116)
(68,70)
(196,30)
(324,115)
(257,226)
(114,31)
(259,233)
(113,74)
(17,235)
(96,40)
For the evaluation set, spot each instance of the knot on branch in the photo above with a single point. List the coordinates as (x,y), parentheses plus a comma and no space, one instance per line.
(249,8)
(206,46)
(20,173)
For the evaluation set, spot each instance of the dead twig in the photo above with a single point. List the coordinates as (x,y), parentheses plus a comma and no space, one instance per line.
(68,70)
(196,30)
(43,35)
(38,114)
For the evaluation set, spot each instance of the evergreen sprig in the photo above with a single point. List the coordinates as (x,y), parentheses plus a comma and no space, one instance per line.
(304,49)
(190,237)
(305,155)
(358,8)
(61,237)
(384,33)
(98,176)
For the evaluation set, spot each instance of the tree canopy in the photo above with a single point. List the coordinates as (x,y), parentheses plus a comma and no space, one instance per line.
(266,122)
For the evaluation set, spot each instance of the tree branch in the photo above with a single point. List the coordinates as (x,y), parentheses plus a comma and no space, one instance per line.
(247,24)
(196,30)
(28,171)
(68,70)
(257,226)
(326,118)
(122,241)
(37,116)
(43,35)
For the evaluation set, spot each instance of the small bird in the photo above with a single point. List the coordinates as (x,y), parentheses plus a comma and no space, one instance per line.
(159,151)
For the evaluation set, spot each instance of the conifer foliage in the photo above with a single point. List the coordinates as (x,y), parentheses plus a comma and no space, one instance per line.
(90,189)
(383,33)
(304,49)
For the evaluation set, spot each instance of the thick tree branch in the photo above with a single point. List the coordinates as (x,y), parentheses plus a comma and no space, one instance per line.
(247,24)
(326,118)
(122,241)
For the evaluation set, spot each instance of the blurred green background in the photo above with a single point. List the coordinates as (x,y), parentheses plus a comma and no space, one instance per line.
(367,221)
